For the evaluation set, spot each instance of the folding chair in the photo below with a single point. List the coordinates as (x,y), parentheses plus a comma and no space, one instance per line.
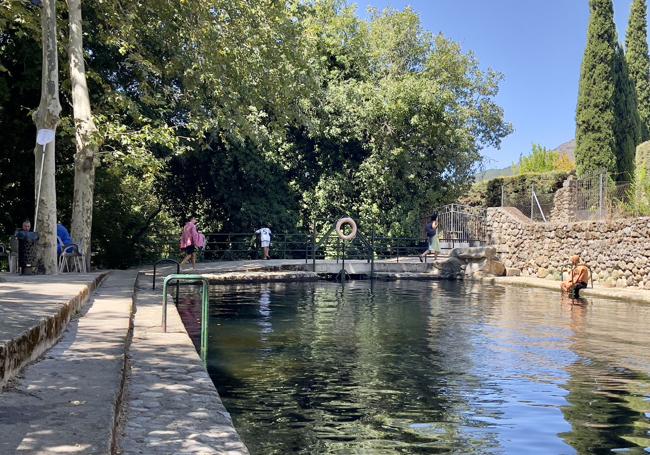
(71,259)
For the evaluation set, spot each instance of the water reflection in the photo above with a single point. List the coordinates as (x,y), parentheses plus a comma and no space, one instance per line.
(607,405)
(415,367)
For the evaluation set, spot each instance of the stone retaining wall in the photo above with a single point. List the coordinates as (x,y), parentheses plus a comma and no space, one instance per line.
(618,251)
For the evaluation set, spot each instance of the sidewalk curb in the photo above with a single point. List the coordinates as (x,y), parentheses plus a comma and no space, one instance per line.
(119,408)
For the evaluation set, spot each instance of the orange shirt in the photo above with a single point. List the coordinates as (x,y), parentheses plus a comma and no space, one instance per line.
(580,275)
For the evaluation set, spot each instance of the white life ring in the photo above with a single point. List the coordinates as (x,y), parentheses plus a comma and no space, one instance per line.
(339,228)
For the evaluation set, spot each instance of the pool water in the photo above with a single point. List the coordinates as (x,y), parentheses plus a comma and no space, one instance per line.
(423,368)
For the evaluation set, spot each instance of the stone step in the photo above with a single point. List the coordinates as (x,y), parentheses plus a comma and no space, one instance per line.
(67,401)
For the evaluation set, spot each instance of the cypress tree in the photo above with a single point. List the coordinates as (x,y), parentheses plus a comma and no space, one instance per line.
(595,113)
(638,62)
(628,123)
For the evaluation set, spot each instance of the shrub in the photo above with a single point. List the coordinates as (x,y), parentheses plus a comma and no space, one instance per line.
(542,160)
(488,194)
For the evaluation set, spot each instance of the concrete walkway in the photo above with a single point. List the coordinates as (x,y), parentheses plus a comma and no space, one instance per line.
(172,406)
(34,311)
(66,402)
(281,270)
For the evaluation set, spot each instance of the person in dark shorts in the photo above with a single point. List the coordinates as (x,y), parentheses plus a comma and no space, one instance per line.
(432,238)
(579,277)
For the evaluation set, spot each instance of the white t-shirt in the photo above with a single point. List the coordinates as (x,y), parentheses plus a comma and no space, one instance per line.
(265,234)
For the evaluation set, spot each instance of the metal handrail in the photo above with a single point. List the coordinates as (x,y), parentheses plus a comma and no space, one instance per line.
(165,261)
(204,306)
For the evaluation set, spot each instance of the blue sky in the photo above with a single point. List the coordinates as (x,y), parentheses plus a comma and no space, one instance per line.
(536,44)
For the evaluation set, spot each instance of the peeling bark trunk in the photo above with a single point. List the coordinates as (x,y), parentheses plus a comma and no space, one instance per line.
(47,116)
(85,133)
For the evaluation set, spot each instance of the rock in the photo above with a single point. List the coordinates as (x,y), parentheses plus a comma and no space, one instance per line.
(474,252)
(513,272)
(472,268)
(542,272)
(493,267)
(451,268)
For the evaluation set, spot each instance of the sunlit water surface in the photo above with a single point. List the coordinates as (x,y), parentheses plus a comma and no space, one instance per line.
(419,367)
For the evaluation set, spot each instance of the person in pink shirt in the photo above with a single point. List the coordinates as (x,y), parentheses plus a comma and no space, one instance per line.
(200,244)
(190,241)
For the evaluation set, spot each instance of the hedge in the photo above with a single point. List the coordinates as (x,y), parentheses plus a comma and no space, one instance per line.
(488,194)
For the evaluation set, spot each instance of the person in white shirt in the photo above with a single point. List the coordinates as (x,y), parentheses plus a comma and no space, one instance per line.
(265,239)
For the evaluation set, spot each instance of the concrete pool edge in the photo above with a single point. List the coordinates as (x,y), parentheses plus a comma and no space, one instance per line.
(625,294)
(171,404)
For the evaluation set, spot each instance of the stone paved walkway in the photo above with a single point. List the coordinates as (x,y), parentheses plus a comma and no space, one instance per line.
(172,405)
(65,402)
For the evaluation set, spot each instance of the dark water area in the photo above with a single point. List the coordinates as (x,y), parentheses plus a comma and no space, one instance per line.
(428,368)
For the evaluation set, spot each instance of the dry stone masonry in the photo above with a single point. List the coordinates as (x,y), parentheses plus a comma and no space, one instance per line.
(617,250)
(565,201)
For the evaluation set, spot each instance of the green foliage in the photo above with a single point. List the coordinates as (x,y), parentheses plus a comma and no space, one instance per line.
(628,124)
(540,160)
(643,156)
(488,194)
(595,115)
(608,126)
(242,112)
(477,195)
(639,195)
(636,46)
(131,228)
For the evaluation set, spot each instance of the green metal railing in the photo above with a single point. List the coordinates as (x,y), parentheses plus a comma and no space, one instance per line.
(205,305)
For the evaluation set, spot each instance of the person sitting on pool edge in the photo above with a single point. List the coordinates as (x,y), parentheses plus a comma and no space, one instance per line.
(579,277)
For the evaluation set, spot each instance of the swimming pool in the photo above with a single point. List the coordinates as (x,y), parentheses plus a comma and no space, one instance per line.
(422,367)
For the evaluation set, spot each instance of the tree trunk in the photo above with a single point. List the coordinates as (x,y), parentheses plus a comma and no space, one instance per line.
(84,160)
(47,117)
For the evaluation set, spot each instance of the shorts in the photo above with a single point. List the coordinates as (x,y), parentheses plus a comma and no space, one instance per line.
(579,286)
(266,244)
(190,249)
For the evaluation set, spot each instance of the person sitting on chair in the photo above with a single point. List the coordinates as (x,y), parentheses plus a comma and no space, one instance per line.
(579,277)
(63,235)
(26,241)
